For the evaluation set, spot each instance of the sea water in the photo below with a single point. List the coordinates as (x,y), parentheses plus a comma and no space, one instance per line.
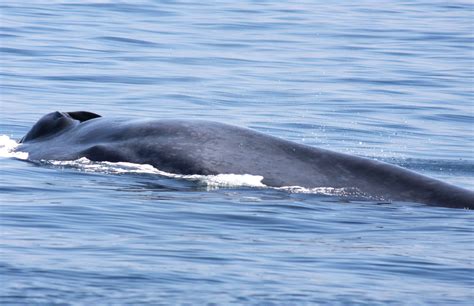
(388,80)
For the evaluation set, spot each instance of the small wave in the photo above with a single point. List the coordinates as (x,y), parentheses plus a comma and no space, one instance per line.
(330,191)
(211,181)
(7,148)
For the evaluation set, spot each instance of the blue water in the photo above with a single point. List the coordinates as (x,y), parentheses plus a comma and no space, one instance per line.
(392,81)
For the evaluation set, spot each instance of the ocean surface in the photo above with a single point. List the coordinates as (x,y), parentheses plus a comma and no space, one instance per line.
(390,80)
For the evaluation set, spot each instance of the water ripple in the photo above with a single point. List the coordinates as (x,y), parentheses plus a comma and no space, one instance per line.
(392,82)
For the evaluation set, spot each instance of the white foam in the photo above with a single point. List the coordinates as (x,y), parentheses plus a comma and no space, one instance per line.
(331,191)
(8,146)
(211,181)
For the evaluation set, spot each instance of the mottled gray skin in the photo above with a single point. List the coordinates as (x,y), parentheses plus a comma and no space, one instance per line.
(203,147)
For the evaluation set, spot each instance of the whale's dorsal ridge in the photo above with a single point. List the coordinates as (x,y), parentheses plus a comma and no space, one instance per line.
(83,116)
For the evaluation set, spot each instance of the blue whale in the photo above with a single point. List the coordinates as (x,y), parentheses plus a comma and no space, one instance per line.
(208,148)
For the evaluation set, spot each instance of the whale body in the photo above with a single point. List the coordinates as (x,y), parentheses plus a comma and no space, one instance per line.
(209,148)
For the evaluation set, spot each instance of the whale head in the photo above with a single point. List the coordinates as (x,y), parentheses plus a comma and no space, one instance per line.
(56,122)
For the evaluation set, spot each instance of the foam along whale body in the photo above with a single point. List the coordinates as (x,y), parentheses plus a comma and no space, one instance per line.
(206,148)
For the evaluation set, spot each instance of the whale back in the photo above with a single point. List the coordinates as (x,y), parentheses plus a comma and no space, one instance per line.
(209,148)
